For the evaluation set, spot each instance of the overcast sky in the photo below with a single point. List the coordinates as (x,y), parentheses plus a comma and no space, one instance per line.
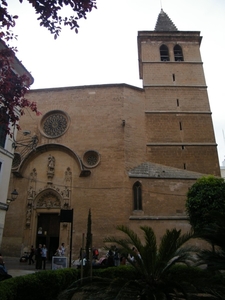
(105,49)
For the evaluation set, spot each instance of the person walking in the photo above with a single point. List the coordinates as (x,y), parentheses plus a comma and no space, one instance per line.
(44,256)
(31,255)
(39,257)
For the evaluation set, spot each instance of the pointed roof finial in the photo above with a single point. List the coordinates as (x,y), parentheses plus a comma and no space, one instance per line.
(164,23)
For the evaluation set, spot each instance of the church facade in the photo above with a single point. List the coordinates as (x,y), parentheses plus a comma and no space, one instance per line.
(129,154)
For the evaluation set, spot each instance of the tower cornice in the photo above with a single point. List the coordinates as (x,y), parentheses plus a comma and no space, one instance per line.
(178,36)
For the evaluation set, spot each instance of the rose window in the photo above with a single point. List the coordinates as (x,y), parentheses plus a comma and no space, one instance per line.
(91,159)
(55,124)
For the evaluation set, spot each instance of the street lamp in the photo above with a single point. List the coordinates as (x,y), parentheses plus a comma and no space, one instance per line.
(14,195)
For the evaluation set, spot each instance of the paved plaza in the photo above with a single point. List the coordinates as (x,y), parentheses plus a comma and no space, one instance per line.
(17,268)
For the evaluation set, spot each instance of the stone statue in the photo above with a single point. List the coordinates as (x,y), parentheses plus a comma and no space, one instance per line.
(51,163)
(31,193)
(28,217)
(68,175)
(66,193)
(33,175)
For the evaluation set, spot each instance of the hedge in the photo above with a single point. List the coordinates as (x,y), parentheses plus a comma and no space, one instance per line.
(41,285)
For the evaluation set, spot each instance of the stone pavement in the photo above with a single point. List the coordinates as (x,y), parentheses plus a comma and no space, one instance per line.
(17,268)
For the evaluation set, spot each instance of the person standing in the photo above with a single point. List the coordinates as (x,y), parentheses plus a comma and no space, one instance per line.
(3,271)
(116,257)
(44,256)
(39,257)
(110,258)
(95,253)
(58,251)
(63,249)
(31,255)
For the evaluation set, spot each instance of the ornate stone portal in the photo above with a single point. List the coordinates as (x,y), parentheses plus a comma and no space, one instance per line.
(50,196)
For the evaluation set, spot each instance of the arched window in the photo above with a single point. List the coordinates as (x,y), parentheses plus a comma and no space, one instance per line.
(178,53)
(137,192)
(164,53)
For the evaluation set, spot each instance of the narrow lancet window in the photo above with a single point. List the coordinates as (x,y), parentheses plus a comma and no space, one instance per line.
(137,193)
(164,53)
(178,53)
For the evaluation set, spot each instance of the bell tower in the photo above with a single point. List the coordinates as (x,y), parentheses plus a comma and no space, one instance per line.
(178,118)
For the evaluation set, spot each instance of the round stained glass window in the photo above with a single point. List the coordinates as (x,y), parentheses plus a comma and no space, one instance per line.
(55,124)
(91,159)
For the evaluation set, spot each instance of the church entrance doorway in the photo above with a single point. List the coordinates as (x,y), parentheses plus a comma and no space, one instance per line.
(48,227)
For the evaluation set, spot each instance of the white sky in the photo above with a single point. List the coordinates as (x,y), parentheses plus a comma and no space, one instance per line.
(105,49)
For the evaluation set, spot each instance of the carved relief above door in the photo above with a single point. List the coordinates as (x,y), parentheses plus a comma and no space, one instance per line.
(48,199)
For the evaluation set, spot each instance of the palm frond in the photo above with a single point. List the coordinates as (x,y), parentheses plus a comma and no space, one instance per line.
(184,255)
(150,238)
(124,244)
(148,252)
(152,261)
(134,238)
(170,251)
(215,260)
(184,238)
(168,244)
(127,243)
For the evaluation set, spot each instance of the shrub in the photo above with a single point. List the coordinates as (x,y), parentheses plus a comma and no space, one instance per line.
(127,272)
(41,285)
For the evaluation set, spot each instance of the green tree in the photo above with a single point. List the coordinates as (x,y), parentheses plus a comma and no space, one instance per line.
(206,195)
(153,262)
(215,235)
